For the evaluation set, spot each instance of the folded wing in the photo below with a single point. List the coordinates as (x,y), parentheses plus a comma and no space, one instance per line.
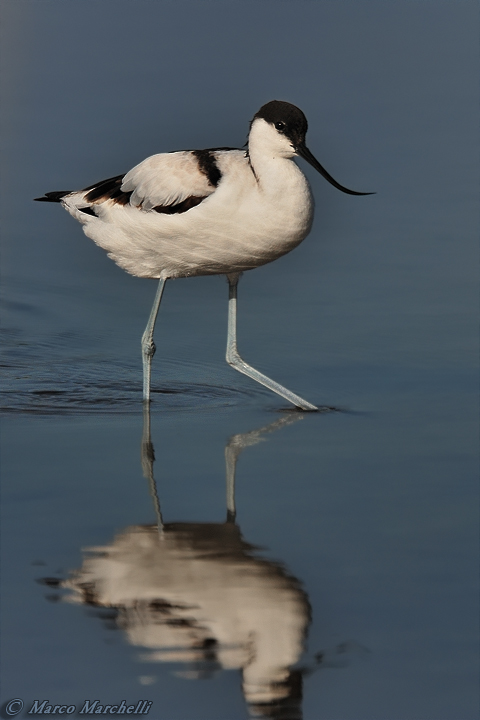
(167,181)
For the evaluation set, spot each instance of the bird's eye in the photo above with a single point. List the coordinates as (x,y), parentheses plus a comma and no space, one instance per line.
(280,126)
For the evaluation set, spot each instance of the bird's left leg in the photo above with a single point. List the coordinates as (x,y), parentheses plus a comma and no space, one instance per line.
(148,346)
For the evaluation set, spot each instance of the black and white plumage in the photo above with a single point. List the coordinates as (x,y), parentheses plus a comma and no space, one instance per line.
(204,212)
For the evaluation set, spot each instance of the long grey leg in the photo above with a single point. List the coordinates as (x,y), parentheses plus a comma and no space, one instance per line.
(234,359)
(148,346)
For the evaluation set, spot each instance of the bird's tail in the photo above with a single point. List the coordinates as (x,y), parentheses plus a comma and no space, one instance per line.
(54,196)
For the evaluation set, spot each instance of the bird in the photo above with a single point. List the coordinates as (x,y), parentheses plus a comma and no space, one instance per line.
(207,212)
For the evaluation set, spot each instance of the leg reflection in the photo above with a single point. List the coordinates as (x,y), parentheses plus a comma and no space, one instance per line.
(235,445)
(147,459)
(239,442)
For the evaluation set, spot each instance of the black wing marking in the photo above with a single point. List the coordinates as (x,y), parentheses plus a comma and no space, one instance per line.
(207,164)
(180,207)
(109,189)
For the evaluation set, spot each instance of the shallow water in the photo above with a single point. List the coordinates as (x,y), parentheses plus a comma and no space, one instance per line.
(337,576)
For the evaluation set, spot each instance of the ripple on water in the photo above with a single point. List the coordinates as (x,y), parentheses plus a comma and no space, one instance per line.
(96,386)
(61,375)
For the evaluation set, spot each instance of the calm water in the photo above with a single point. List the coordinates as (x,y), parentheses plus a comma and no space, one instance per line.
(260,562)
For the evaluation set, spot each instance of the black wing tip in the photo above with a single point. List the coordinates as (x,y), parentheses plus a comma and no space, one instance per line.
(53,196)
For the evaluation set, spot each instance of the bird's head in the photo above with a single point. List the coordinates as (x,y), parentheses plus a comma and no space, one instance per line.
(280,128)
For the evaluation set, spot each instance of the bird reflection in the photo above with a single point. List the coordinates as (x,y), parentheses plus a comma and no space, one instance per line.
(199,595)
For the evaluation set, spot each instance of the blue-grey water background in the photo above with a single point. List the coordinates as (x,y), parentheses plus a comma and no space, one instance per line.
(372,506)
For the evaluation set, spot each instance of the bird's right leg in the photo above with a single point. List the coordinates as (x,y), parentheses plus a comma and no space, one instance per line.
(233,358)
(148,346)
